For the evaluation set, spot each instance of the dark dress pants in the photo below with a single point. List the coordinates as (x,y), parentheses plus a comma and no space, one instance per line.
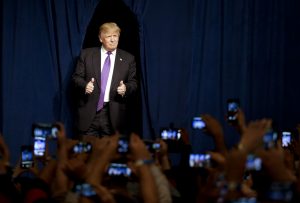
(101,124)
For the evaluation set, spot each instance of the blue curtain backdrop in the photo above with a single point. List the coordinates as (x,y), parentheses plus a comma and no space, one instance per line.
(194,55)
(41,40)
(1,30)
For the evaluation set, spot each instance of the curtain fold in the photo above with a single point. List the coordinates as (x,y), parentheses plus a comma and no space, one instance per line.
(1,65)
(198,53)
(41,40)
(194,55)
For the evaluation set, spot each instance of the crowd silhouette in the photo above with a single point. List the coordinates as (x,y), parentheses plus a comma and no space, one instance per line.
(262,167)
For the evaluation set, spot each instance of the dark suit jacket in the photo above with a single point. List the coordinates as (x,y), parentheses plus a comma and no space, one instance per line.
(88,66)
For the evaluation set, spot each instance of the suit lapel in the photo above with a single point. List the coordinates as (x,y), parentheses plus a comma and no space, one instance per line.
(115,78)
(97,66)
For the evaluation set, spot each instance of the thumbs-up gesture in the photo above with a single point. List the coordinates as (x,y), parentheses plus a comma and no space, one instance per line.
(90,86)
(121,88)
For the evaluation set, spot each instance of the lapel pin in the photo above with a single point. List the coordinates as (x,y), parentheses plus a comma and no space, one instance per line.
(121,59)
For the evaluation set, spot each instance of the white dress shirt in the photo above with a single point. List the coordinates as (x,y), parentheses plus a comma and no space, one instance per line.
(111,70)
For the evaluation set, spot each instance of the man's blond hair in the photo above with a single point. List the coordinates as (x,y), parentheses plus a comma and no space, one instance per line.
(109,26)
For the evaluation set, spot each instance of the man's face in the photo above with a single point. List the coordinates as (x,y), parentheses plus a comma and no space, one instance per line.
(109,39)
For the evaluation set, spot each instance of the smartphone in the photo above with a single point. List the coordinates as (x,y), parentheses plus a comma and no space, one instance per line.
(123,144)
(286,138)
(270,139)
(118,170)
(152,146)
(233,106)
(198,123)
(84,189)
(39,145)
(170,134)
(280,192)
(45,129)
(244,200)
(253,163)
(27,156)
(199,160)
(82,147)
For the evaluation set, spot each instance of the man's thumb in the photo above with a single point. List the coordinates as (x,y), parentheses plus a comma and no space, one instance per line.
(121,82)
(92,80)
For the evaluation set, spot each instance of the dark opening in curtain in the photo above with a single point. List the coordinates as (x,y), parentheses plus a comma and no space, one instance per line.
(117,11)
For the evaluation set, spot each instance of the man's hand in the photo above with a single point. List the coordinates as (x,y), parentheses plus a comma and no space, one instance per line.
(90,86)
(138,149)
(252,137)
(4,155)
(213,126)
(121,88)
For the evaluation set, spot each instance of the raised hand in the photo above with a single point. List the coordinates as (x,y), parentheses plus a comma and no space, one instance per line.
(121,88)
(241,121)
(214,129)
(4,151)
(90,86)
(252,137)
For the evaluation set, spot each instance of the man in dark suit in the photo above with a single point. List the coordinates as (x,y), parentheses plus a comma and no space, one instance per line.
(105,79)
